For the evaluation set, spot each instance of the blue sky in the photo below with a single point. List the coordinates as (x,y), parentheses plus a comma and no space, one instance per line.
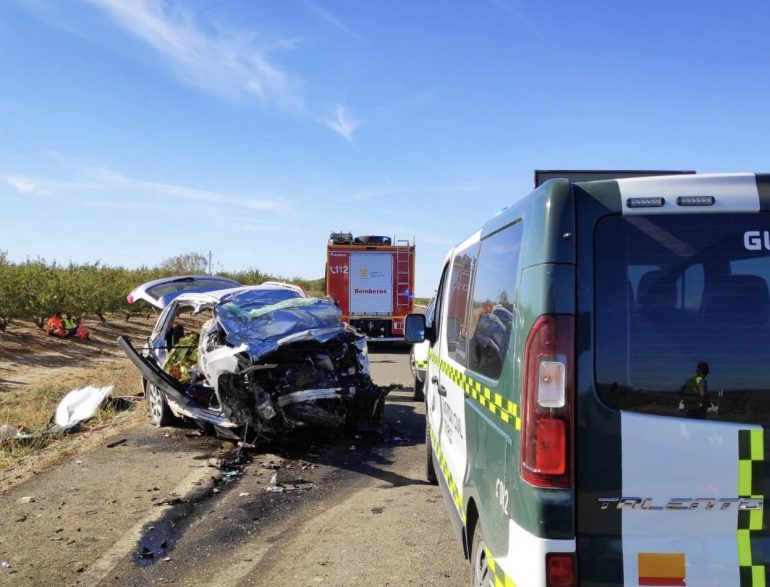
(132,131)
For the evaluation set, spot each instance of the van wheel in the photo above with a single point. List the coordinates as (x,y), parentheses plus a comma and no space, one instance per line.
(418,390)
(430,471)
(481,574)
(160,413)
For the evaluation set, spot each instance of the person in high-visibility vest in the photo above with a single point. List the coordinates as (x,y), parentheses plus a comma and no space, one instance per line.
(69,324)
(695,392)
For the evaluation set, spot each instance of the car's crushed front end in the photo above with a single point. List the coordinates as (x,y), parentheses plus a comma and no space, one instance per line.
(256,371)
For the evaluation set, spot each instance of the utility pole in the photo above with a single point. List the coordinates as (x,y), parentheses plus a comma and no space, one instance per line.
(209,262)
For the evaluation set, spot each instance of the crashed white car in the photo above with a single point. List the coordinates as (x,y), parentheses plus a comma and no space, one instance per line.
(252,361)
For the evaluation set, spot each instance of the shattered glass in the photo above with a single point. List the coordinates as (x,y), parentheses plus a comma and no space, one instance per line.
(264,329)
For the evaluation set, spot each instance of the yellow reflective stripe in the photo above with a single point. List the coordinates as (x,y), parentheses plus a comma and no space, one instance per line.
(751,449)
(500,578)
(499,406)
(454,490)
(744,478)
(758,576)
(744,548)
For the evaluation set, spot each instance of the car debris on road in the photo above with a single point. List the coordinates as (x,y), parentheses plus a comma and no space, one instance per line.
(262,361)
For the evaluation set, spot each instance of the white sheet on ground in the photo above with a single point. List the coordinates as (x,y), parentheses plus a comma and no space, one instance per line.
(80,405)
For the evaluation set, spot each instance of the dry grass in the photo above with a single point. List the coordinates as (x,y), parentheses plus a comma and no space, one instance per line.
(36,371)
(32,407)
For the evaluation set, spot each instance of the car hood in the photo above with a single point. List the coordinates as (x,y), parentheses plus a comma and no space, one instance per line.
(263,330)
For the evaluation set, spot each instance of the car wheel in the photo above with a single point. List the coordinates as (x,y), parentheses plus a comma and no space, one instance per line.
(430,471)
(481,574)
(160,414)
(419,394)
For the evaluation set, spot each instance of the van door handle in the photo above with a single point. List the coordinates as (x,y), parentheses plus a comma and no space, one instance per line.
(442,390)
(434,380)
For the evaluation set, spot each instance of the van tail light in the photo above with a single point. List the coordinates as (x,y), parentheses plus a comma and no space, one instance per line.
(548,402)
(560,569)
(130,298)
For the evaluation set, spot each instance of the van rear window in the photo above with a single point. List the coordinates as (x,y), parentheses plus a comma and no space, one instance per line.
(677,295)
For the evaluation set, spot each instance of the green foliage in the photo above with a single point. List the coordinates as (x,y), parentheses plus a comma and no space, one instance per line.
(185,264)
(37,289)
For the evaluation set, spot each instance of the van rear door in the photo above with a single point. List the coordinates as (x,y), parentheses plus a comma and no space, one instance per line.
(673,389)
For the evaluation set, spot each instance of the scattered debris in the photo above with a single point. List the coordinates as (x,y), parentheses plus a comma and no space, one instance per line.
(7,431)
(243,494)
(5,564)
(78,462)
(80,405)
(21,518)
(120,442)
(146,553)
(27,499)
(283,480)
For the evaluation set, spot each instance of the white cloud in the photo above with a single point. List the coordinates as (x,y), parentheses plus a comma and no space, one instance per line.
(23,185)
(331,19)
(342,123)
(117,180)
(41,186)
(222,60)
(217,59)
(108,189)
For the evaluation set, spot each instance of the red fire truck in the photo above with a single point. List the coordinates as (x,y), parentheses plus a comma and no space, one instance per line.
(372,281)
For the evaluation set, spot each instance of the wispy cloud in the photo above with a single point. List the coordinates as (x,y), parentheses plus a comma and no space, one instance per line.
(327,16)
(108,188)
(342,122)
(118,180)
(42,186)
(215,57)
(218,59)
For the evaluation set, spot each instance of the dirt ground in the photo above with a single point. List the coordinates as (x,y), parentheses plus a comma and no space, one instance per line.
(37,370)
(144,506)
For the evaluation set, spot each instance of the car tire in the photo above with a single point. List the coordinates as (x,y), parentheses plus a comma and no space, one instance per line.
(430,470)
(481,574)
(160,413)
(419,390)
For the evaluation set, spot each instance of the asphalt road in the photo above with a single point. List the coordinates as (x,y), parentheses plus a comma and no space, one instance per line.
(158,506)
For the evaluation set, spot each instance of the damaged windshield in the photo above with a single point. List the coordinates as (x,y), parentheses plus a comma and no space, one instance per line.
(254,325)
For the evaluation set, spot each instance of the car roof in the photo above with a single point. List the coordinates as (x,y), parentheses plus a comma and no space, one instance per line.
(216,296)
(159,292)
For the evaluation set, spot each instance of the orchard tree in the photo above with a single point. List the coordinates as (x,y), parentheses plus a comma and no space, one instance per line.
(186,264)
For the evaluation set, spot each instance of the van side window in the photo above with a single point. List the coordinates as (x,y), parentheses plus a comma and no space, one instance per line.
(493,308)
(456,334)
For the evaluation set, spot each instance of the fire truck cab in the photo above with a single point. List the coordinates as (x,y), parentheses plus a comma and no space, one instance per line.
(372,280)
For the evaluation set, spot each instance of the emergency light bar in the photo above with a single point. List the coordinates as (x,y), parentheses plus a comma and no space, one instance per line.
(645,202)
(695,200)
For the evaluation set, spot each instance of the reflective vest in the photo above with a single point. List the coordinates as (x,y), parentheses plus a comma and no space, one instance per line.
(692,396)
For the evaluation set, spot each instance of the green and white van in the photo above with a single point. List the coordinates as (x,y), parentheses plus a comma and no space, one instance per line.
(576,436)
